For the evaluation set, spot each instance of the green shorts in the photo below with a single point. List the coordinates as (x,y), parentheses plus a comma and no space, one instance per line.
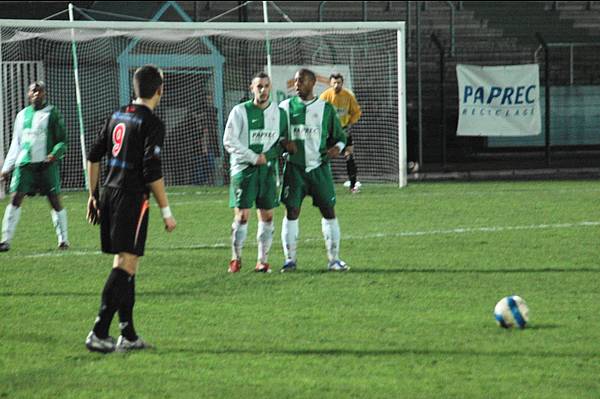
(297,184)
(36,178)
(255,184)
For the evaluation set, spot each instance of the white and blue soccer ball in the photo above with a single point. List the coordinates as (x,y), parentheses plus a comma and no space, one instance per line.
(512,311)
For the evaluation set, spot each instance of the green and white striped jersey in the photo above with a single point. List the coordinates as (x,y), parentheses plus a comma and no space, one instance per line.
(314,126)
(37,133)
(251,131)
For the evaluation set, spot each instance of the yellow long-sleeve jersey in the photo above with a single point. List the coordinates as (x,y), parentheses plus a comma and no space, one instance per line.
(345,104)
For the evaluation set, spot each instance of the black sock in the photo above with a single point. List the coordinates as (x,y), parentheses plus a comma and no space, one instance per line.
(352,170)
(126,311)
(109,302)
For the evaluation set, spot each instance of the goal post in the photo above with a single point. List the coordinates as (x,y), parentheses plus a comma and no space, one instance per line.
(208,67)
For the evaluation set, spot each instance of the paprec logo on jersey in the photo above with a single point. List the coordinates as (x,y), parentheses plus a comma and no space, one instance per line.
(263,136)
(303,132)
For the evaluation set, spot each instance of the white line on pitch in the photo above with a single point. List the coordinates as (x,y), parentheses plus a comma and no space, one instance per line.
(467,230)
(462,230)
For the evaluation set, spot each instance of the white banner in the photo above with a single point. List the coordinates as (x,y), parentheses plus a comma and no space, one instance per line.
(499,100)
(283,79)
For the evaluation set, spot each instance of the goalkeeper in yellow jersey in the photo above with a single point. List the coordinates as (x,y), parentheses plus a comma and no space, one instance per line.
(349,113)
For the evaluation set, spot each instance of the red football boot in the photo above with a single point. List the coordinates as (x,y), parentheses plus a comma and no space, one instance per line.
(262,268)
(234,266)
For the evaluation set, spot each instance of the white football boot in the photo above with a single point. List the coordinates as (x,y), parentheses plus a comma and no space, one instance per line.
(95,344)
(338,266)
(125,345)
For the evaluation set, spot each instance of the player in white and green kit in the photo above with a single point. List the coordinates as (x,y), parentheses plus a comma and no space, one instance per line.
(318,134)
(39,142)
(255,137)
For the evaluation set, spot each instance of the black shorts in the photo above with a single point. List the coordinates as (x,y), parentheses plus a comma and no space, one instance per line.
(123,221)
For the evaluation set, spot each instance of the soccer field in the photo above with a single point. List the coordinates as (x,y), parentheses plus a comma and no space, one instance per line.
(412,319)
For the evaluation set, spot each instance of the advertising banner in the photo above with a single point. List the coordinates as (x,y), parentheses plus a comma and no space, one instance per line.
(499,100)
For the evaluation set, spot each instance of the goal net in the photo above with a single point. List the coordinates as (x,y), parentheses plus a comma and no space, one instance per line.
(208,67)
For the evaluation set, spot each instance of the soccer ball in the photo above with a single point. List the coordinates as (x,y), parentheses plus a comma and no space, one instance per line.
(512,311)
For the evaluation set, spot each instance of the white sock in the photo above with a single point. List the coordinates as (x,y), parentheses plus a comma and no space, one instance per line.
(59,219)
(238,236)
(10,221)
(331,234)
(264,237)
(289,237)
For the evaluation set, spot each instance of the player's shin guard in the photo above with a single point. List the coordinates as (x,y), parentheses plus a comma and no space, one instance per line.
(112,295)
(59,219)
(289,237)
(12,214)
(331,234)
(238,236)
(352,170)
(126,310)
(264,237)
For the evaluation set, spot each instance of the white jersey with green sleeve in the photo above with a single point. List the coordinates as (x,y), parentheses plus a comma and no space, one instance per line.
(36,134)
(314,126)
(251,131)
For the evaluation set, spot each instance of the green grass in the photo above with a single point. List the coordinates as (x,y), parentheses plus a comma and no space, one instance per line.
(412,319)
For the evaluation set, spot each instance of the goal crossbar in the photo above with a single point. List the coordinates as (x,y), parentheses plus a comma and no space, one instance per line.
(129,25)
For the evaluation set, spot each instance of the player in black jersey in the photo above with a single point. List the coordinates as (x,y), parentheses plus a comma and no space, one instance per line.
(132,139)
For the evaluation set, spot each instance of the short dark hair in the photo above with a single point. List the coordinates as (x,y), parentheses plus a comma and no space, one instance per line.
(336,75)
(307,72)
(260,75)
(40,84)
(146,81)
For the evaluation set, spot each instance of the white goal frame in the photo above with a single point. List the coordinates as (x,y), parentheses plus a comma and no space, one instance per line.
(398,26)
